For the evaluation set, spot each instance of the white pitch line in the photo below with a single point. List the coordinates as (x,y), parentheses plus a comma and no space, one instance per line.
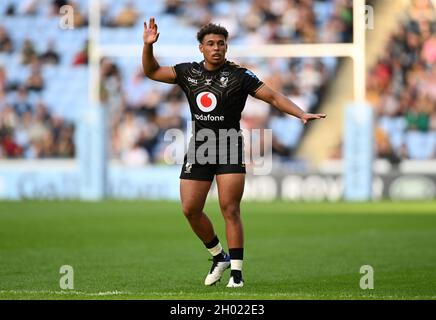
(66,292)
(205,294)
(174,294)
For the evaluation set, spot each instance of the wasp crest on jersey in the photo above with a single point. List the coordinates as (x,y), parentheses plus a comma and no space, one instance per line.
(206,101)
(188,167)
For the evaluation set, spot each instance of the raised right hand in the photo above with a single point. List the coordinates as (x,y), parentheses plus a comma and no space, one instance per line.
(150,33)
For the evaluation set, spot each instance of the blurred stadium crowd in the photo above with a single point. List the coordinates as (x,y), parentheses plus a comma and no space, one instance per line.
(43,70)
(44,84)
(402,88)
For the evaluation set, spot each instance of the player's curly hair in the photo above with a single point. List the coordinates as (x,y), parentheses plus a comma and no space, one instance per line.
(211,28)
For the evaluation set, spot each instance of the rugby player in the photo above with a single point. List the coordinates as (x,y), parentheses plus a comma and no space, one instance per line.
(217,90)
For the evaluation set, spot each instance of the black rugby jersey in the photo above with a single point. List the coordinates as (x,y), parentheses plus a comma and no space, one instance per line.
(216,98)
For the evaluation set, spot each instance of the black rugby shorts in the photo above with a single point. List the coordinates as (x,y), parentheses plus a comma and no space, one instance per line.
(222,161)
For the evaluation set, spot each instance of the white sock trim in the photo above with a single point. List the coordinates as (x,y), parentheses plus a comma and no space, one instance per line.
(236,264)
(216,250)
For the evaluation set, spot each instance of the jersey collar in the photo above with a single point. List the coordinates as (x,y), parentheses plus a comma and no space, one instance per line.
(226,62)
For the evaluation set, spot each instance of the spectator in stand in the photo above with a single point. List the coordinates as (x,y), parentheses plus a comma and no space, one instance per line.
(10,10)
(173,7)
(2,98)
(8,145)
(35,81)
(129,132)
(333,31)
(169,115)
(42,113)
(418,116)
(252,20)
(429,51)
(3,80)
(8,117)
(427,84)
(56,6)
(80,19)
(28,52)
(127,17)
(305,28)
(421,10)
(5,41)
(137,156)
(65,143)
(149,134)
(21,103)
(81,58)
(47,144)
(152,101)
(36,130)
(199,12)
(111,86)
(50,56)
(433,118)
(384,147)
(344,11)
(21,134)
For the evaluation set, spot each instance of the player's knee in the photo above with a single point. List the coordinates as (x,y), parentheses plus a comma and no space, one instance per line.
(231,211)
(191,212)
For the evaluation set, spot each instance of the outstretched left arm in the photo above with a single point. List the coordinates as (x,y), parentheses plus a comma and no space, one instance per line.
(282,103)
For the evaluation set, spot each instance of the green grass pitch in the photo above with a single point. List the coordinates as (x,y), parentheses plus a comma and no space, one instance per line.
(146,250)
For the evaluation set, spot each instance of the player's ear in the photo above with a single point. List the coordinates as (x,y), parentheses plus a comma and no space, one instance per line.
(200,47)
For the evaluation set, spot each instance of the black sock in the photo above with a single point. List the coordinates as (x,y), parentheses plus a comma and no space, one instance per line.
(236,274)
(236,259)
(212,243)
(236,253)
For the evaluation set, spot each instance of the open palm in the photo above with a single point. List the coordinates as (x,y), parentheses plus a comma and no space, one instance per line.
(310,116)
(150,32)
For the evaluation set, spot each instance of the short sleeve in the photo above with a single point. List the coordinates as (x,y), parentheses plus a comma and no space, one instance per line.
(180,69)
(250,82)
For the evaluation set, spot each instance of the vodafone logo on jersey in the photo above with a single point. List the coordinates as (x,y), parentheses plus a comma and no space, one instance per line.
(206,101)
